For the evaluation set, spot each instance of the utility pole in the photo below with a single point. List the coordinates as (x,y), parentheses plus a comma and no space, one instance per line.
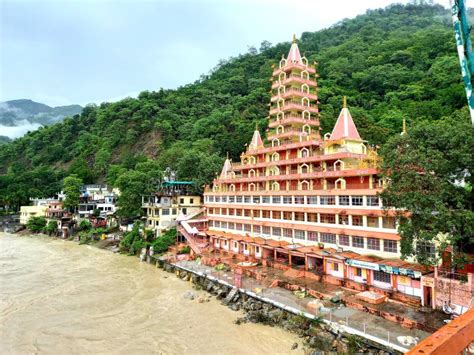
(464,47)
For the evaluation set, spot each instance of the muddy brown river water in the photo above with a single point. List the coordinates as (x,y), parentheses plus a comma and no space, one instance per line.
(57,297)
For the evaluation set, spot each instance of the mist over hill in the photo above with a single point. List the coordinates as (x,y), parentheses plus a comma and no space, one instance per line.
(20,116)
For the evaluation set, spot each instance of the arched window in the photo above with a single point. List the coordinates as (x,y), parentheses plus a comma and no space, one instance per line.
(281,90)
(304,61)
(304,185)
(232,188)
(306,129)
(305,101)
(338,165)
(304,153)
(306,115)
(251,173)
(282,62)
(252,160)
(252,187)
(280,129)
(275,142)
(282,76)
(280,116)
(274,171)
(304,75)
(305,88)
(340,184)
(304,169)
(327,136)
(275,156)
(275,186)
(280,103)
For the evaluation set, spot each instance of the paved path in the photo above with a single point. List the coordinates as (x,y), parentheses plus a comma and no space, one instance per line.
(374,325)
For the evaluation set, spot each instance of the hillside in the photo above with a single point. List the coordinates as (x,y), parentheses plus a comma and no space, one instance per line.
(393,63)
(31,114)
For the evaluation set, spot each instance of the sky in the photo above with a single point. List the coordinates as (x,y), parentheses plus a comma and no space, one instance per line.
(83,51)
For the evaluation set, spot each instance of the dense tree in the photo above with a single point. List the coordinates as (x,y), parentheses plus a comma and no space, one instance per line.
(36,224)
(393,63)
(431,173)
(72,189)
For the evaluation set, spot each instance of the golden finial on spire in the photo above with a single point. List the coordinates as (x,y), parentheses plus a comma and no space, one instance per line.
(344,102)
(404,131)
(294,38)
(256,126)
(227,155)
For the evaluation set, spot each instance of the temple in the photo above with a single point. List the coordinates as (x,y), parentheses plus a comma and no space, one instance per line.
(297,200)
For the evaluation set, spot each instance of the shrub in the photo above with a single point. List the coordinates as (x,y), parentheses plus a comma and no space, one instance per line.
(36,224)
(163,242)
(85,225)
(185,250)
(51,228)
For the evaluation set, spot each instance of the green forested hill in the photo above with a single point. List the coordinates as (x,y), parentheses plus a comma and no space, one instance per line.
(392,63)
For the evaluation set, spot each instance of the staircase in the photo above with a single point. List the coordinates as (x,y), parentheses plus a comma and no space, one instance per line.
(190,239)
(230,295)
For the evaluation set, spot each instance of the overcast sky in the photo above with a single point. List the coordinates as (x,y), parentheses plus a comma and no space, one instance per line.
(65,52)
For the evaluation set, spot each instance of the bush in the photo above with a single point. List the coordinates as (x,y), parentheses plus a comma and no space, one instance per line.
(85,225)
(185,250)
(36,224)
(51,228)
(163,242)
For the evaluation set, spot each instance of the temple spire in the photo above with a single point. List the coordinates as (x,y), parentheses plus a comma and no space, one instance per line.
(294,55)
(345,127)
(256,141)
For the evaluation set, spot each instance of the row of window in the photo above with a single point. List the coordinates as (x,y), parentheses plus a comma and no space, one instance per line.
(326,218)
(389,246)
(345,200)
(164,212)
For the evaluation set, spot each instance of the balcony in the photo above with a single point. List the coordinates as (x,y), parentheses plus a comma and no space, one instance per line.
(295,92)
(290,66)
(294,79)
(288,133)
(296,106)
(292,119)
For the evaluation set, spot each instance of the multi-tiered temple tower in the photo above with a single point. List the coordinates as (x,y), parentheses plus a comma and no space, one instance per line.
(303,199)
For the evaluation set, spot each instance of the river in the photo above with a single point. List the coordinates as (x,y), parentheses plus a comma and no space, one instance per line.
(57,297)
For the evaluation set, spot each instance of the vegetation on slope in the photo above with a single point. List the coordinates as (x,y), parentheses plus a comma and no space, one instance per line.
(391,63)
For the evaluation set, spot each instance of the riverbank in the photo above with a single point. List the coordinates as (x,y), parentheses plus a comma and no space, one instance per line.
(59,297)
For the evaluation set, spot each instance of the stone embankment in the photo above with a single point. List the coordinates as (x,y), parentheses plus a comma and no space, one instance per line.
(316,335)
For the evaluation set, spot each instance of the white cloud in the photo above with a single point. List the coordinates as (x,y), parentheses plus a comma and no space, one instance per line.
(18,131)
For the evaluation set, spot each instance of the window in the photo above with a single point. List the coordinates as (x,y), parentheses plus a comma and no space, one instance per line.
(299,216)
(218,199)
(344,200)
(313,236)
(357,200)
(224,199)
(266,230)
(388,222)
(299,234)
(165,212)
(231,211)
(238,212)
(287,199)
(344,219)
(312,200)
(248,227)
(373,222)
(335,266)
(373,243)
(247,199)
(266,199)
(276,214)
(265,214)
(276,231)
(211,223)
(238,199)
(174,211)
(288,215)
(390,246)
(181,200)
(344,240)
(357,221)
(247,213)
(211,198)
(382,277)
(425,249)
(358,242)
(299,200)
(373,201)
(256,199)
(231,225)
(276,199)
(313,217)
(257,229)
(359,272)
(328,218)
(224,225)
(328,200)
(217,224)
(238,226)
(328,238)
(288,233)
(231,199)
(256,213)
(257,250)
